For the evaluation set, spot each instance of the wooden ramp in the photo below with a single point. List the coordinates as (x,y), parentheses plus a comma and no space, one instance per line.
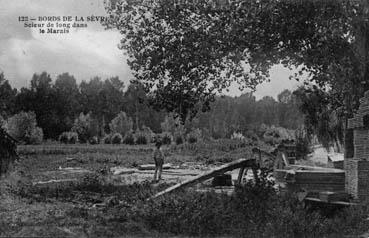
(241,163)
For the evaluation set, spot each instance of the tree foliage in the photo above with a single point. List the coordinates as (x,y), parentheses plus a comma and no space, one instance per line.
(68,137)
(7,97)
(172,125)
(121,124)
(136,104)
(182,53)
(186,51)
(85,126)
(67,101)
(57,104)
(102,98)
(41,99)
(23,127)
(324,116)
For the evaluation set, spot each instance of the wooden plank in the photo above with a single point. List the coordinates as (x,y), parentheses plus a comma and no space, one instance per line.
(169,172)
(152,166)
(334,203)
(207,175)
(318,187)
(240,175)
(328,196)
(54,181)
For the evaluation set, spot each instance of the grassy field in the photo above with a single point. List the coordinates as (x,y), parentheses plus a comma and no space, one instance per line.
(70,209)
(40,158)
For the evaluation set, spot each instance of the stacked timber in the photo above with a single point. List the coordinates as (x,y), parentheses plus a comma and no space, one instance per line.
(335,160)
(312,179)
(327,196)
(320,180)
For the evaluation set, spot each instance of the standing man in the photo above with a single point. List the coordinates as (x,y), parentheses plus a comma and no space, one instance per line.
(158,156)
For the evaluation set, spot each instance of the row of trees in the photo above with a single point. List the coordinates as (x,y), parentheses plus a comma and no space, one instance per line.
(57,104)
(64,105)
(245,113)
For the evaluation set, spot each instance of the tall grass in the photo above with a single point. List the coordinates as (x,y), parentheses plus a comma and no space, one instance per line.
(254,210)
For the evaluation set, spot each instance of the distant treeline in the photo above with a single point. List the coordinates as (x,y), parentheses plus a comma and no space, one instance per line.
(57,103)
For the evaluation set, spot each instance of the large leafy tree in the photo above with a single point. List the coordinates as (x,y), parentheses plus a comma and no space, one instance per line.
(182,53)
(103,98)
(324,115)
(41,99)
(136,104)
(67,101)
(185,52)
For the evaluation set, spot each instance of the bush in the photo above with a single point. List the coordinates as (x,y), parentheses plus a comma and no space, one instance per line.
(144,137)
(141,140)
(73,138)
(251,135)
(166,139)
(86,127)
(94,140)
(68,137)
(107,139)
(63,138)
(179,140)
(254,210)
(129,139)
(148,133)
(237,136)
(23,127)
(121,124)
(212,214)
(116,138)
(194,136)
(172,125)
(37,136)
(191,139)
(274,135)
(206,134)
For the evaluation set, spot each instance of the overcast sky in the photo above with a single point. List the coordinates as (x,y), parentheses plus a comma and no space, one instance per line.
(84,53)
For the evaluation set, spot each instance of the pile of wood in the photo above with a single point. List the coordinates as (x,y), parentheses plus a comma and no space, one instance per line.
(313,179)
(333,196)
